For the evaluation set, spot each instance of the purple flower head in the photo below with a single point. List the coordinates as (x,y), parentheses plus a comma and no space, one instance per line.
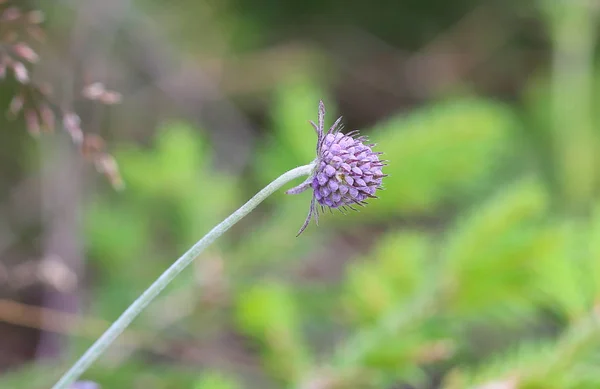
(347,171)
(85,385)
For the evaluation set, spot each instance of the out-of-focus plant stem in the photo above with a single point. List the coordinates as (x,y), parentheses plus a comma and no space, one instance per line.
(573,30)
(138,305)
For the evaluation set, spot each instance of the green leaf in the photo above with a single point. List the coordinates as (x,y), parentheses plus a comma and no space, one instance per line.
(440,153)
(213,380)
(390,274)
(492,255)
(268,313)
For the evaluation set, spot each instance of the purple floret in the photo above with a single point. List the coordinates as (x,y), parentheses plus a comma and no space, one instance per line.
(85,385)
(348,170)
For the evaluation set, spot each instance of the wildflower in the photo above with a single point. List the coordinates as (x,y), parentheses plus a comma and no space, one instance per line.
(85,385)
(347,171)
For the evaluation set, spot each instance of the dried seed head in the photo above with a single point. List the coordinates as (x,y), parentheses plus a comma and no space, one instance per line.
(92,145)
(97,91)
(21,72)
(25,52)
(10,14)
(35,101)
(93,91)
(48,118)
(72,124)
(32,121)
(347,172)
(107,165)
(16,105)
(110,98)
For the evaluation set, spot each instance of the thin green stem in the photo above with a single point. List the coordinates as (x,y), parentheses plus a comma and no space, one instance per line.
(157,286)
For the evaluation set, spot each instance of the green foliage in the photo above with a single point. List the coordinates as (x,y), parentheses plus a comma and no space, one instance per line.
(293,139)
(173,196)
(387,277)
(460,298)
(472,269)
(215,381)
(268,314)
(443,151)
(504,238)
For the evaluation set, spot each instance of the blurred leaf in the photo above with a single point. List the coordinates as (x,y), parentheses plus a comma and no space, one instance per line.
(215,381)
(294,141)
(267,312)
(272,240)
(564,276)
(387,276)
(571,281)
(492,254)
(116,237)
(173,198)
(541,364)
(438,153)
(593,254)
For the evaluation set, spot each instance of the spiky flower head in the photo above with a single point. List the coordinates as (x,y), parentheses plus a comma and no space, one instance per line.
(347,171)
(85,385)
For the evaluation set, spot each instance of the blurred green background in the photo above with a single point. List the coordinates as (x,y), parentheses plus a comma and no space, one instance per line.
(478,267)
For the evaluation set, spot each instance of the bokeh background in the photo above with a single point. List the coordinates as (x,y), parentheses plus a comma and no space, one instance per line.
(478,267)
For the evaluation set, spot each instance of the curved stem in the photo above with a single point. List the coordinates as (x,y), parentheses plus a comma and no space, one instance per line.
(157,286)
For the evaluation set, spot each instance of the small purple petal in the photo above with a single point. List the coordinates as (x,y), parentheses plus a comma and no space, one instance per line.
(369,190)
(329,170)
(335,148)
(333,185)
(353,192)
(343,189)
(346,142)
(84,385)
(329,139)
(357,171)
(349,180)
(322,179)
(360,182)
(335,161)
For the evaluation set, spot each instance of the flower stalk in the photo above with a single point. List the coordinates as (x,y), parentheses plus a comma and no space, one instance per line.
(109,336)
